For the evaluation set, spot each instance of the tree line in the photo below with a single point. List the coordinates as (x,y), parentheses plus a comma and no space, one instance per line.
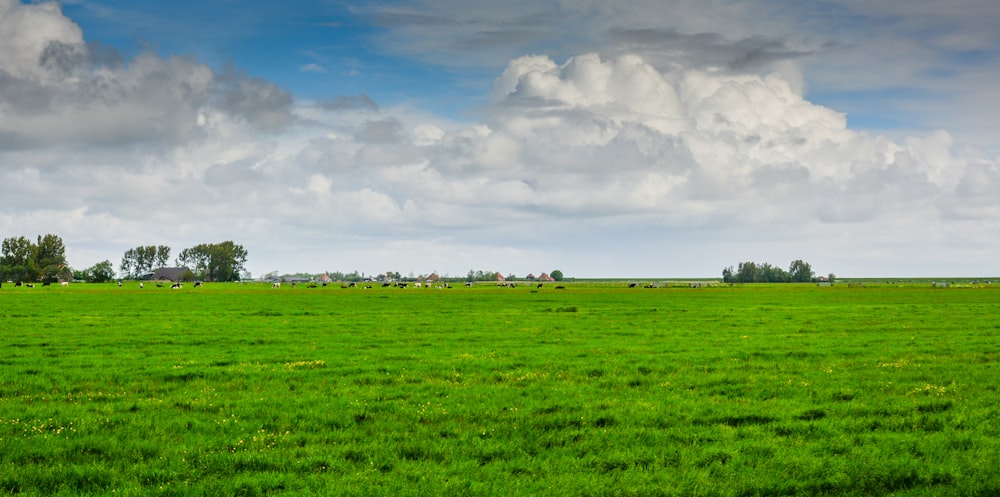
(798,271)
(44,260)
(223,261)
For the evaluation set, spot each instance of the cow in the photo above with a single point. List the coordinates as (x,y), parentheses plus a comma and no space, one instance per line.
(539,285)
(140,285)
(176,286)
(197,284)
(46,283)
(631,285)
(276,284)
(65,284)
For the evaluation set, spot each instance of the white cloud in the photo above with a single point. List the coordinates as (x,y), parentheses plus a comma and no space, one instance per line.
(609,164)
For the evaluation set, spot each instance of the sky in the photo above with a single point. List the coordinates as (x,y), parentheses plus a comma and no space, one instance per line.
(603,138)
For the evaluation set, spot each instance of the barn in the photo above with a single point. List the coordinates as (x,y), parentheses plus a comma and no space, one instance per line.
(173,274)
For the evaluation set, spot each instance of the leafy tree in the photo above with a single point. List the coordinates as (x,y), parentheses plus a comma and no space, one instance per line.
(556,275)
(45,260)
(50,259)
(747,272)
(801,271)
(102,272)
(482,275)
(754,272)
(18,261)
(162,257)
(222,261)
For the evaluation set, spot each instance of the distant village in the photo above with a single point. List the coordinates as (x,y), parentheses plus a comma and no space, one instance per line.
(394,277)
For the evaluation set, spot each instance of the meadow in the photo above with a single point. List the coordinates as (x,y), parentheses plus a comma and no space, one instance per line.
(591,390)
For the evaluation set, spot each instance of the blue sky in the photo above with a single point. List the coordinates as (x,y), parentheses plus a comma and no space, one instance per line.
(628,139)
(319,49)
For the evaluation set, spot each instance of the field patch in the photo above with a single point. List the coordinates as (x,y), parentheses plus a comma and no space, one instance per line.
(588,390)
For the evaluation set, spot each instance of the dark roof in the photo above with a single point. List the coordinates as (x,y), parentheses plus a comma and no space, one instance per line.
(170,273)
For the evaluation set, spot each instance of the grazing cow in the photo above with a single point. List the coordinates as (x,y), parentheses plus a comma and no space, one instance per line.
(631,285)
(119,284)
(29,285)
(17,284)
(560,287)
(539,285)
(352,284)
(276,284)
(197,284)
(46,283)
(176,286)
(140,285)
(65,284)
(386,285)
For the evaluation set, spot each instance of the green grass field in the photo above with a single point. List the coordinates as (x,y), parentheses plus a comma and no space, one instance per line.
(587,391)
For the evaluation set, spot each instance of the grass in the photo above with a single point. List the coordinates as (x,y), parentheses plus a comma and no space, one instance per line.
(591,390)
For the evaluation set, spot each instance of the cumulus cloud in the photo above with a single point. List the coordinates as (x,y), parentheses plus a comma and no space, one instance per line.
(57,89)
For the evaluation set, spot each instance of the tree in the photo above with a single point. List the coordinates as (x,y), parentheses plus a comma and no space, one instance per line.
(18,261)
(26,261)
(222,261)
(556,275)
(747,272)
(102,272)
(162,257)
(754,272)
(50,259)
(801,271)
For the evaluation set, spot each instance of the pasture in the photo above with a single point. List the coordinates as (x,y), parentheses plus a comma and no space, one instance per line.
(593,390)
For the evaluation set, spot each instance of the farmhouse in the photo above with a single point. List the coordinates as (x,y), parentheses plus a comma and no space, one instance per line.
(174,274)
